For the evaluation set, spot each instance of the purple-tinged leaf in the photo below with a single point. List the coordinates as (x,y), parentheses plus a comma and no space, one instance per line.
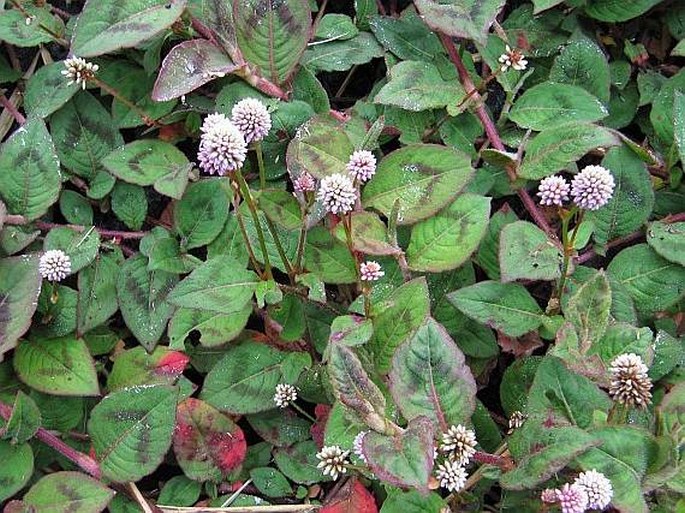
(68,492)
(188,66)
(430,378)
(469,19)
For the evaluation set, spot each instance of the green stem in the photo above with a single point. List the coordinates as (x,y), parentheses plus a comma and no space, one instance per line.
(568,244)
(260,164)
(241,224)
(247,196)
(281,252)
(301,241)
(300,410)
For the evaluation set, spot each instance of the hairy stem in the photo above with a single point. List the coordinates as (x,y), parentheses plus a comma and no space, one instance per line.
(42,225)
(18,116)
(116,94)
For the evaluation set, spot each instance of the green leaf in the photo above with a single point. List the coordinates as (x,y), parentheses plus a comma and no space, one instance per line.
(281,207)
(142,296)
(397,319)
(80,247)
(59,366)
(617,10)
(129,204)
(507,307)
(622,458)
(208,444)
(58,317)
(621,338)
(30,177)
(164,252)
(20,285)
(84,133)
(353,387)
(15,31)
(563,396)
(190,65)
(542,464)
(678,116)
(668,240)
(16,468)
(24,421)
(272,35)
(404,460)
(399,501)
(75,208)
(632,201)
(430,378)
(417,86)
(298,463)
(200,215)
(48,90)
(329,258)
(270,482)
(218,285)
(664,107)
(541,5)
(351,330)
(97,293)
(653,282)
(407,37)
(336,26)
(134,367)
(244,380)
(131,431)
(554,149)
(215,328)
(320,147)
(583,63)
(446,240)
(423,177)
(105,26)
(468,19)
(68,492)
(487,256)
(151,162)
(525,252)
(588,310)
(549,105)
(369,234)
(180,491)
(342,55)
(281,428)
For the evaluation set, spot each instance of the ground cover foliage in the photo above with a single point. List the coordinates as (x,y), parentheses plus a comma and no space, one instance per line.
(342,256)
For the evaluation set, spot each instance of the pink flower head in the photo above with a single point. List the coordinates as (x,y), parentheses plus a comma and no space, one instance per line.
(598,488)
(553,190)
(371,271)
(337,193)
(592,188)
(304,183)
(362,165)
(222,146)
(572,498)
(252,118)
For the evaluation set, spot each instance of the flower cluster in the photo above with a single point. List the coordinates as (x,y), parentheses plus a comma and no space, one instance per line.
(452,476)
(79,70)
(357,446)
(590,490)
(516,421)
(370,271)
(222,146)
(54,265)
(459,445)
(304,183)
(337,193)
(252,118)
(285,394)
(333,461)
(590,189)
(630,383)
(512,59)
(362,165)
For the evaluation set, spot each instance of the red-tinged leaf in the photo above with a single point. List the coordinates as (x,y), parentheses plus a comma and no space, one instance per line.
(519,346)
(207,444)
(322,411)
(172,364)
(188,66)
(352,498)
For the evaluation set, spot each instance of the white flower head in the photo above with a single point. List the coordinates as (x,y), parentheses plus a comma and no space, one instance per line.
(598,488)
(252,118)
(362,165)
(222,146)
(630,383)
(592,188)
(460,444)
(371,271)
(553,190)
(357,445)
(572,498)
(333,461)
(516,421)
(452,476)
(512,59)
(54,265)
(285,394)
(337,193)
(79,71)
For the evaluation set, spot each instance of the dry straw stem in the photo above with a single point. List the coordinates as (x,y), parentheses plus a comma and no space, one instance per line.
(281,508)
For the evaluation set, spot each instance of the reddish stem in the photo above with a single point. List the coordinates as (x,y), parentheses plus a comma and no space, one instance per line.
(631,237)
(105,233)
(492,459)
(85,462)
(18,116)
(493,134)
(381,7)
